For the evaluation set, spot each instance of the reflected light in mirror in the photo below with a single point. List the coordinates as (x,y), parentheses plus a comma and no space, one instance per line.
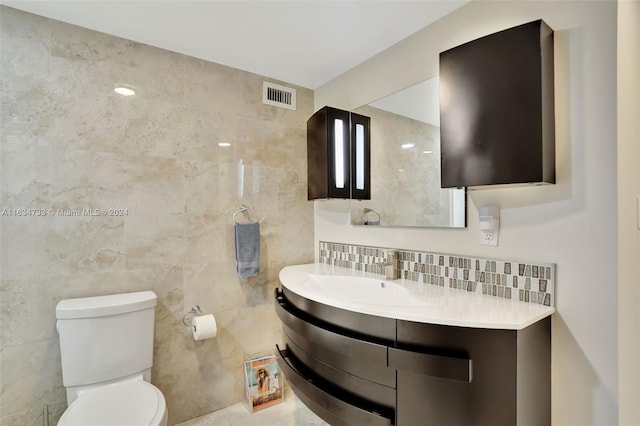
(407,145)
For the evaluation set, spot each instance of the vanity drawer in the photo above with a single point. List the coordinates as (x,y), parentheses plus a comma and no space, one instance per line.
(336,406)
(375,372)
(373,327)
(328,342)
(367,389)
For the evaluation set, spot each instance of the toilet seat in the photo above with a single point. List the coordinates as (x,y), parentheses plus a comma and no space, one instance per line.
(131,402)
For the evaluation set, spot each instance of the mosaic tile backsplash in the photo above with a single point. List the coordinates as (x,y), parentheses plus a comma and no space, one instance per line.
(529,282)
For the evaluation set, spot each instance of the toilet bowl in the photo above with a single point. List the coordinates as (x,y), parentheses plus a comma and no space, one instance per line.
(132,402)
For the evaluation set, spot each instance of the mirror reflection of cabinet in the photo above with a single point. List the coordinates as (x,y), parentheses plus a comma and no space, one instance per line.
(405,164)
(338,159)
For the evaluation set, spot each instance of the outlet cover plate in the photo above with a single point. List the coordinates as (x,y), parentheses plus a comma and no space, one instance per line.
(489,238)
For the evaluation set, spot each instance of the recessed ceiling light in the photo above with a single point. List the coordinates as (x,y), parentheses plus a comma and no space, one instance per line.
(407,145)
(224,144)
(124,91)
(401,170)
(427,152)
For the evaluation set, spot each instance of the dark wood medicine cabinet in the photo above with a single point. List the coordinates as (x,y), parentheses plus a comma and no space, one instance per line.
(497,109)
(338,155)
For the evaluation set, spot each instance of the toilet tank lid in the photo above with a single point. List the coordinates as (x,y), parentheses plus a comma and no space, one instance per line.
(99,306)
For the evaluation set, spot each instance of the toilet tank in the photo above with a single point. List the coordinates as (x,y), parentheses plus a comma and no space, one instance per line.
(105,337)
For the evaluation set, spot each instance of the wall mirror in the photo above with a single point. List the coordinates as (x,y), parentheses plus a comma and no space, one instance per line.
(405,164)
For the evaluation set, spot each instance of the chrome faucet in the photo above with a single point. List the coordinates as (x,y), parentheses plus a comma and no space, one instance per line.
(391,271)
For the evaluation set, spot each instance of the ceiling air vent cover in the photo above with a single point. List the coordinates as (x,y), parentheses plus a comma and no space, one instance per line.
(280,96)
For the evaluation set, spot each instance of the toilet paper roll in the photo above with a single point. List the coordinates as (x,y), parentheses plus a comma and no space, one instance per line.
(204,327)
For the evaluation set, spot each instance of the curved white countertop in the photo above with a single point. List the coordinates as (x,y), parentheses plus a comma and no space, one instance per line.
(420,302)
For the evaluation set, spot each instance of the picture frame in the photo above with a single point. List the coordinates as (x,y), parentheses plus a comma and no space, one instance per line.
(264,384)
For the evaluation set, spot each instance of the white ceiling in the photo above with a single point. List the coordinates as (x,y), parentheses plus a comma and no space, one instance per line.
(301,42)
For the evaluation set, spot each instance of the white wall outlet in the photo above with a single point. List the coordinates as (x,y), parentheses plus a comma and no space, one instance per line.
(489,224)
(489,238)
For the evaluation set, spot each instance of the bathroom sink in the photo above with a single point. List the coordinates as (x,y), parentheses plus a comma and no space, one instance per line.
(361,290)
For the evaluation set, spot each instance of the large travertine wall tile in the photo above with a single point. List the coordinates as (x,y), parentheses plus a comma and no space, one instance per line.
(157,128)
(26,112)
(88,284)
(253,336)
(24,256)
(166,192)
(157,74)
(86,244)
(89,121)
(25,386)
(213,286)
(202,131)
(223,89)
(18,24)
(31,390)
(87,179)
(81,44)
(26,175)
(28,306)
(30,61)
(27,309)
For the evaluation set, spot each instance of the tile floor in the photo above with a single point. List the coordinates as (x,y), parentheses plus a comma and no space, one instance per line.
(291,412)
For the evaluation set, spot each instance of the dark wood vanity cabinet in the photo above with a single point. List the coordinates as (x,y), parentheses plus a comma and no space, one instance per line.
(497,109)
(508,381)
(357,369)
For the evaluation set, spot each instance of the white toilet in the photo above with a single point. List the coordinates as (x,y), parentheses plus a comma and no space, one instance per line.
(106,346)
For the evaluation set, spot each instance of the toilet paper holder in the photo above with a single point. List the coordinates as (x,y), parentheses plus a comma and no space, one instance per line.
(195,310)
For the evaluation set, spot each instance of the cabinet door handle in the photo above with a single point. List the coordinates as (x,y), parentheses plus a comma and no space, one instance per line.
(445,367)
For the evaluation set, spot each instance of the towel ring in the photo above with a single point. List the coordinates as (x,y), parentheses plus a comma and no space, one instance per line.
(367,210)
(244,209)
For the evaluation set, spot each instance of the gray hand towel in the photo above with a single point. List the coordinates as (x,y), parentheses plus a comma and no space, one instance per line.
(247,249)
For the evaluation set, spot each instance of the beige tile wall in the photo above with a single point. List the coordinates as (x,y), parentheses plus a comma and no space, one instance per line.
(70,142)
